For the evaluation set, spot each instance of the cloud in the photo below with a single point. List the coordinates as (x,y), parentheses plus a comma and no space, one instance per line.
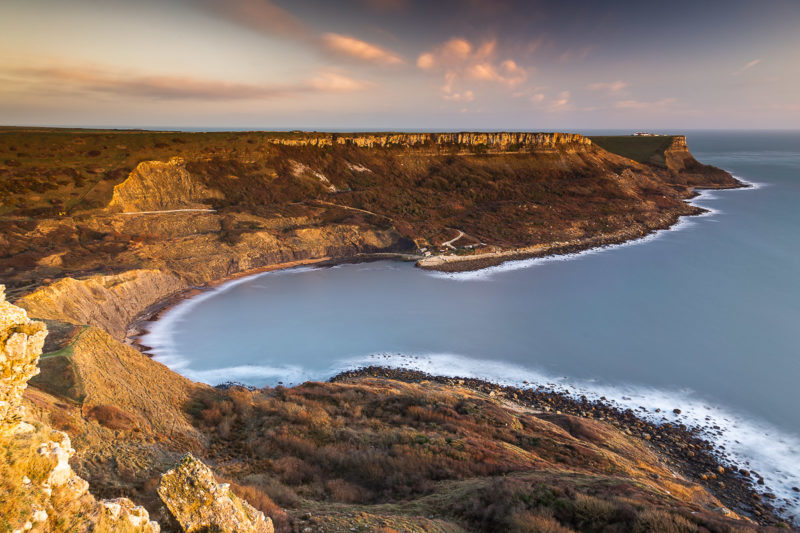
(263,16)
(610,87)
(457,60)
(82,79)
(347,46)
(572,55)
(638,105)
(329,81)
(748,66)
(562,103)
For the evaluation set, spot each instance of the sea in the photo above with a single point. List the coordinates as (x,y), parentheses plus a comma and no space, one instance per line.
(703,318)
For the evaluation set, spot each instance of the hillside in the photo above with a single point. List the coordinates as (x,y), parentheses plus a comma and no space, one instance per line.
(207,205)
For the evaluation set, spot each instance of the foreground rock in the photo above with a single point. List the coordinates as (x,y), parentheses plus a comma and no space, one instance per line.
(198,503)
(40,491)
(21,341)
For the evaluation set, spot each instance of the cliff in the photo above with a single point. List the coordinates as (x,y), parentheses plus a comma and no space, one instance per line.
(40,490)
(107,302)
(157,185)
(495,140)
(21,341)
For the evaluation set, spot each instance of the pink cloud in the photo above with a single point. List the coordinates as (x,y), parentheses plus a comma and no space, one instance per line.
(611,87)
(268,18)
(93,80)
(562,103)
(748,66)
(262,16)
(347,46)
(458,60)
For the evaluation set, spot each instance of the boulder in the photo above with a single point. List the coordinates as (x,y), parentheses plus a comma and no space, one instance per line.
(198,503)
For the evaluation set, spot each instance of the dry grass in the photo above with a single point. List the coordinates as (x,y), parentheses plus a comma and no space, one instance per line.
(388,443)
(18,460)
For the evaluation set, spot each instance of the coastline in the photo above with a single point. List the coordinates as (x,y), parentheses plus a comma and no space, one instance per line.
(683,448)
(452,263)
(733,488)
(137,328)
(445,264)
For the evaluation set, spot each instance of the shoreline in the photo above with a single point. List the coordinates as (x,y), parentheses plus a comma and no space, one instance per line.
(682,447)
(137,328)
(452,263)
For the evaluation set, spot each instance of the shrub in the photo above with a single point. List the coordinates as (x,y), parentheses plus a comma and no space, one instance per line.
(261,501)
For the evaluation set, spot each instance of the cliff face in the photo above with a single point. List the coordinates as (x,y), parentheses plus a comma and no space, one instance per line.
(498,140)
(21,341)
(107,302)
(41,492)
(157,185)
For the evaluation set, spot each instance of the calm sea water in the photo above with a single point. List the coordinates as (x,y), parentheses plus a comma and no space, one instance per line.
(705,317)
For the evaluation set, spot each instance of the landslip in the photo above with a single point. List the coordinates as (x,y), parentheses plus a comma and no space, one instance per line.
(100,227)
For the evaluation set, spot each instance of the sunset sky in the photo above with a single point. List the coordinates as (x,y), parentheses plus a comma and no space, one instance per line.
(401,64)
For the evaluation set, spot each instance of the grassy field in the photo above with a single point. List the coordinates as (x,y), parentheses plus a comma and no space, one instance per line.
(646,150)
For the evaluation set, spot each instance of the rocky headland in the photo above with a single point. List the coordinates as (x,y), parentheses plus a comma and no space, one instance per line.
(153,215)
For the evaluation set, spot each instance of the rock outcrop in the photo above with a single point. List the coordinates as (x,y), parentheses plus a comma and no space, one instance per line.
(198,503)
(40,491)
(21,341)
(158,185)
(496,140)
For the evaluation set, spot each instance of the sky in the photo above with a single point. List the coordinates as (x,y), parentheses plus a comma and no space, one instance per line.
(401,64)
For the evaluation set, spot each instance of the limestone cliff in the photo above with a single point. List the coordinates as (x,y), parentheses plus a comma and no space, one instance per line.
(157,185)
(496,140)
(198,503)
(21,342)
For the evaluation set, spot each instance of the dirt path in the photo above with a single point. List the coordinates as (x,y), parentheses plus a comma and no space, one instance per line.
(449,243)
(169,211)
(350,208)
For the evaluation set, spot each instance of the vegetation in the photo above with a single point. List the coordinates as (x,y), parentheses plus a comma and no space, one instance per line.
(645,149)
(423,450)
(59,181)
